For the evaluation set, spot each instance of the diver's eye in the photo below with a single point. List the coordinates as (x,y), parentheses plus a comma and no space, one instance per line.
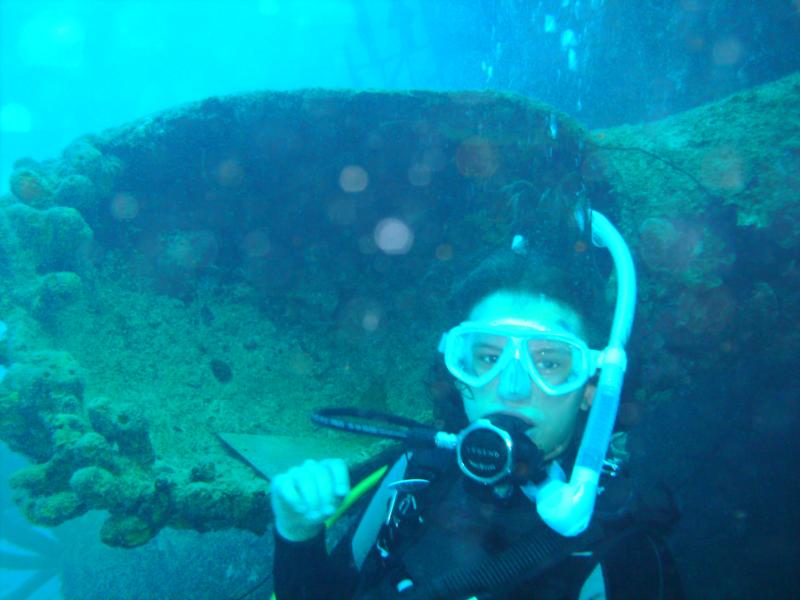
(545,364)
(483,362)
(488,359)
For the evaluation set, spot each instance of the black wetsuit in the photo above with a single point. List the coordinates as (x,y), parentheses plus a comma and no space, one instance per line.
(451,531)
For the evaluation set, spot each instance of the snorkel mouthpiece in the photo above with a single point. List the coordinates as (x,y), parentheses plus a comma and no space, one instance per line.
(567,507)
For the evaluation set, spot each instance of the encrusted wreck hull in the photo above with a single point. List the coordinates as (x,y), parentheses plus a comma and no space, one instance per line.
(215,268)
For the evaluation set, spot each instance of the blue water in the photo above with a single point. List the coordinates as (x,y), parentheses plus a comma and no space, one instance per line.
(75,67)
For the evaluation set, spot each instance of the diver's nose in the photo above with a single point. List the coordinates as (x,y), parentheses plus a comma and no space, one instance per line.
(515,383)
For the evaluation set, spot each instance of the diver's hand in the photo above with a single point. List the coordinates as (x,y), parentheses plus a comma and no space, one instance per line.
(304,496)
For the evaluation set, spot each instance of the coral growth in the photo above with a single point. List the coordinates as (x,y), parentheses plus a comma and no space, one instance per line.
(49,240)
(31,187)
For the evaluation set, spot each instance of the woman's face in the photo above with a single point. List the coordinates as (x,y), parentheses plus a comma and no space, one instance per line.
(552,419)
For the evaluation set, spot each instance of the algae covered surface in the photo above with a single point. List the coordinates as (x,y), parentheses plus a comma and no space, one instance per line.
(230,265)
(708,199)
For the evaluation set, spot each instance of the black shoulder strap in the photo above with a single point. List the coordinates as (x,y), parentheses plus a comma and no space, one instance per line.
(521,562)
(637,565)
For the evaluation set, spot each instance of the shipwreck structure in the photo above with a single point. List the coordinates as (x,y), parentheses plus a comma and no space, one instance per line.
(229,265)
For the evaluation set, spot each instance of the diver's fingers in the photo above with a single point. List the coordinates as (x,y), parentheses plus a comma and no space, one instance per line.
(306,483)
(314,489)
(284,489)
(339,474)
(300,489)
(324,480)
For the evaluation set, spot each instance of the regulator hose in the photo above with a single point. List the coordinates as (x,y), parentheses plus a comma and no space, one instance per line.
(376,423)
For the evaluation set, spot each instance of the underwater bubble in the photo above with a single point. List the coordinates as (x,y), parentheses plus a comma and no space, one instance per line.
(549,23)
(256,244)
(357,316)
(568,39)
(668,245)
(723,170)
(707,312)
(695,43)
(366,244)
(229,173)
(370,320)
(15,118)
(727,52)
(381,264)
(553,126)
(777,413)
(342,211)
(657,238)
(192,249)
(393,236)
(299,362)
(374,141)
(692,5)
(353,179)
(434,158)
(663,370)
(30,186)
(124,207)
(52,40)
(269,272)
(477,157)
(595,164)
(269,8)
(630,414)
(419,174)
(572,60)
(444,252)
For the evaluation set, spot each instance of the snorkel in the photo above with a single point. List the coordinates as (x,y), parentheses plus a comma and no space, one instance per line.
(567,507)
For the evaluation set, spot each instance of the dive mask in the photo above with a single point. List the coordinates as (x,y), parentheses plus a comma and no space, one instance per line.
(557,361)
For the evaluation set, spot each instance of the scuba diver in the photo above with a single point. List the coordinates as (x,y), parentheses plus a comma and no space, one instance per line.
(527,499)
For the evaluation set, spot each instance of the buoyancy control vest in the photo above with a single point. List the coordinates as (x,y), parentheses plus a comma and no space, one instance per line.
(453,536)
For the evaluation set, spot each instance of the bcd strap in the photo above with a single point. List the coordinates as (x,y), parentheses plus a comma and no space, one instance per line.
(521,562)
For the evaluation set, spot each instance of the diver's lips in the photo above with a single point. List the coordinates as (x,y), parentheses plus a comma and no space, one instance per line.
(510,413)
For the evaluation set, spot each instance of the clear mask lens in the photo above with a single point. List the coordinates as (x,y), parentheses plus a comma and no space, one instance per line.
(555,362)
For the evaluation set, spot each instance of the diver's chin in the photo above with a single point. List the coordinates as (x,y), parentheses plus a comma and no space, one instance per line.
(554,453)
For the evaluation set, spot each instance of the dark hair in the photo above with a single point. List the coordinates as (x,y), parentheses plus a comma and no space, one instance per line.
(574,282)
